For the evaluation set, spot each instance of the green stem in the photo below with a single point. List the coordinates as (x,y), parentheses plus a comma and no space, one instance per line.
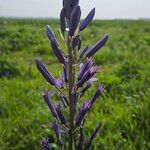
(71,83)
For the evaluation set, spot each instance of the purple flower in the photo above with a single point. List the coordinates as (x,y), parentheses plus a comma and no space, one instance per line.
(74,3)
(89,84)
(84,68)
(45,144)
(57,51)
(45,72)
(49,103)
(59,83)
(74,20)
(51,35)
(57,132)
(67,7)
(59,113)
(97,46)
(93,135)
(87,20)
(79,118)
(84,51)
(99,90)
(62,20)
(87,75)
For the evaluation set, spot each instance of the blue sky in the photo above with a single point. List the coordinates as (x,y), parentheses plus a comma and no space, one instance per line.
(105,9)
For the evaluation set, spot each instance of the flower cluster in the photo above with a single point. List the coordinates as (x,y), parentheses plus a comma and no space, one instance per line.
(78,70)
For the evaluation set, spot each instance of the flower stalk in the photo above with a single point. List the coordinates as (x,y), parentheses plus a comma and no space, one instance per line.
(76,78)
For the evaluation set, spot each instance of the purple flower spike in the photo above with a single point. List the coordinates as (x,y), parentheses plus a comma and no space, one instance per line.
(99,90)
(49,103)
(62,20)
(93,135)
(57,133)
(74,20)
(87,20)
(84,108)
(59,113)
(97,46)
(57,51)
(45,144)
(45,72)
(84,51)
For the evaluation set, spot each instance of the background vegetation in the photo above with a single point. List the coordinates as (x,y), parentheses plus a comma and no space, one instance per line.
(124,107)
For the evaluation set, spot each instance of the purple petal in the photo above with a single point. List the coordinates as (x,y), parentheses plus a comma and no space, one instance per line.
(99,90)
(45,72)
(93,135)
(57,133)
(97,46)
(89,84)
(60,82)
(57,52)
(59,113)
(49,103)
(45,144)
(84,68)
(62,20)
(74,20)
(87,20)
(84,108)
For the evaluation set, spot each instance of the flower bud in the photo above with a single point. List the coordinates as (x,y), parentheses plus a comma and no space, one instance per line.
(45,144)
(97,46)
(62,20)
(84,51)
(57,133)
(59,113)
(51,35)
(57,52)
(87,20)
(74,20)
(45,72)
(93,135)
(49,103)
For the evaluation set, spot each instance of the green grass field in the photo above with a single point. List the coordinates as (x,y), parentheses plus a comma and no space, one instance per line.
(124,107)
